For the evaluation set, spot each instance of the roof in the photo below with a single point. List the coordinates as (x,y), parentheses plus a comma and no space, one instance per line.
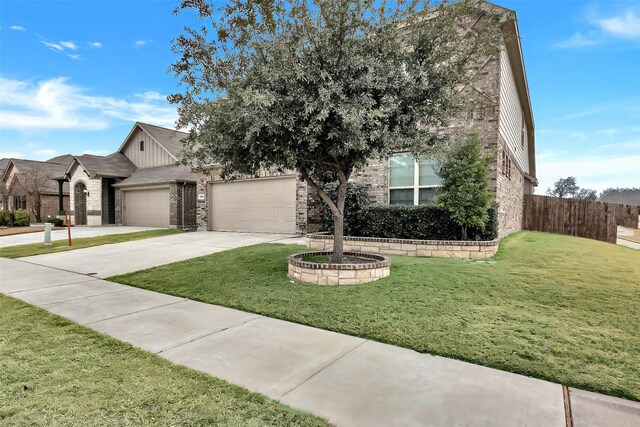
(169,139)
(159,175)
(51,169)
(115,165)
(63,159)
(3,165)
(626,197)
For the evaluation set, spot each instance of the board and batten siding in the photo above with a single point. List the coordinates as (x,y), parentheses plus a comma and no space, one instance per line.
(153,154)
(511,114)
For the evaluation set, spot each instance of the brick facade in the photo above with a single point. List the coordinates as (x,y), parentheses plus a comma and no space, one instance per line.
(177,202)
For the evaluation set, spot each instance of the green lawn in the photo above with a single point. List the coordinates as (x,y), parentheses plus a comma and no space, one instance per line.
(19,251)
(554,307)
(54,372)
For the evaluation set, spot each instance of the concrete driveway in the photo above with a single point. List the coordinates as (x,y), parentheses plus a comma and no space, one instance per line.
(120,258)
(23,239)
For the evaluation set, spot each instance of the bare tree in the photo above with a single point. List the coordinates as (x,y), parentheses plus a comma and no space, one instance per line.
(35,181)
(586,194)
(564,187)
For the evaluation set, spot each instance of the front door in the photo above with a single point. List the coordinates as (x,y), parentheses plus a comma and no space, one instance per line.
(80,196)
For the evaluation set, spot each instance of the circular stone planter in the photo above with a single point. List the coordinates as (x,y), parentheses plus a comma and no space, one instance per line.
(318,273)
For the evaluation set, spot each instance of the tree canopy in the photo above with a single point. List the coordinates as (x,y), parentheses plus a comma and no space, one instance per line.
(322,86)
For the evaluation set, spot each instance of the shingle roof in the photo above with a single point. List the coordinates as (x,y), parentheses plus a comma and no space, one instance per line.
(160,174)
(53,170)
(626,197)
(170,139)
(113,165)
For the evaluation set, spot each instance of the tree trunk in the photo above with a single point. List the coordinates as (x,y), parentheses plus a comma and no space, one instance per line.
(338,225)
(464,232)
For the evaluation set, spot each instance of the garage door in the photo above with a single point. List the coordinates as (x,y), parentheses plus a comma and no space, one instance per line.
(147,207)
(267,205)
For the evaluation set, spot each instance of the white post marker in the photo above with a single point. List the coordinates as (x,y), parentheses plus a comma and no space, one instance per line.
(47,236)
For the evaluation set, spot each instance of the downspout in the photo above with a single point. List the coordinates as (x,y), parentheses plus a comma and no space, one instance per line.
(183,184)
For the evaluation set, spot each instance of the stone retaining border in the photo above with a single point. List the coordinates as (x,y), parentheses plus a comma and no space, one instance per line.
(318,273)
(465,249)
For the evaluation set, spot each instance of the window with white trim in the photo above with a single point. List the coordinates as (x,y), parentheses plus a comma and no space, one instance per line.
(412,181)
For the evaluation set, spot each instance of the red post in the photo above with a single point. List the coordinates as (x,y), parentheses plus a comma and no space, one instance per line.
(69,228)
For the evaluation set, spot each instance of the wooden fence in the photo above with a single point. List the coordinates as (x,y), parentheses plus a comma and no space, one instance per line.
(582,218)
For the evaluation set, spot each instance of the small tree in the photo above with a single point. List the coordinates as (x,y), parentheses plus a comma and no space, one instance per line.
(465,184)
(34,181)
(564,187)
(321,86)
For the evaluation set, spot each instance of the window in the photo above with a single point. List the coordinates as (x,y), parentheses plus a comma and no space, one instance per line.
(19,202)
(506,164)
(141,145)
(411,181)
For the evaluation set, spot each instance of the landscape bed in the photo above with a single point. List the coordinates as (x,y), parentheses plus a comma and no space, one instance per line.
(554,307)
(54,372)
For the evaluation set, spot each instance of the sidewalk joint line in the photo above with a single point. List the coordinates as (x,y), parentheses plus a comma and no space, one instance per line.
(133,312)
(209,334)
(84,280)
(324,367)
(56,268)
(86,296)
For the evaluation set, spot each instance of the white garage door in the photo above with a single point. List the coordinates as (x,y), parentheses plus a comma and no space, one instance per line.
(148,208)
(267,205)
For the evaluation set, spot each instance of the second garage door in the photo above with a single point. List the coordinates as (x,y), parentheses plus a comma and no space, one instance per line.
(267,205)
(148,208)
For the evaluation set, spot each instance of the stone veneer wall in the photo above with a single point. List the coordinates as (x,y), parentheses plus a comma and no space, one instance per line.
(337,274)
(175,206)
(405,247)
(510,195)
(94,200)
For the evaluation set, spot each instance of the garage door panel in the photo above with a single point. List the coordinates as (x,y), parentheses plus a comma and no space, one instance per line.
(266,205)
(147,207)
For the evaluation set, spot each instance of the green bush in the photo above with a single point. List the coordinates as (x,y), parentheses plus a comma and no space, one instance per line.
(21,218)
(357,200)
(57,222)
(5,218)
(422,222)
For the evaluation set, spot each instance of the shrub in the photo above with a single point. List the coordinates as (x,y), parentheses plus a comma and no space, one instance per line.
(357,200)
(57,222)
(21,218)
(5,218)
(465,184)
(422,222)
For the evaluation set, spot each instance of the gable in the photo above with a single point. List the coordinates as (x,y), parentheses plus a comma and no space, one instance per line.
(152,155)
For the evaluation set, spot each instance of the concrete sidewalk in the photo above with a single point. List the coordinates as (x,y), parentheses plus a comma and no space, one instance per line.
(120,258)
(348,380)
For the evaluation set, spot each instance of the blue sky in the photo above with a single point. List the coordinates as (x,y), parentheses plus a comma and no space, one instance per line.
(75,75)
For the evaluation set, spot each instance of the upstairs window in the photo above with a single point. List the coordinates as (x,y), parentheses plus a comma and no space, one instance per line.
(523,133)
(506,164)
(411,181)
(141,145)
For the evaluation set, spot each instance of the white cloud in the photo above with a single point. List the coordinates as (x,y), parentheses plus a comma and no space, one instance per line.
(53,46)
(11,155)
(96,45)
(56,104)
(17,28)
(74,56)
(605,28)
(69,45)
(608,132)
(140,43)
(597,172)
(576,41)
(626,25)
(45,153)
(151,96)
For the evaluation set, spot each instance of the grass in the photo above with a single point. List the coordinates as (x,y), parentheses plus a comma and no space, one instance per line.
(553,307)
(31,249)
(54,372)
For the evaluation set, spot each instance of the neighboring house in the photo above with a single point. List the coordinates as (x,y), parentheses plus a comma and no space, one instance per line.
(140,184)
(22,177)
(628,196)
(284,203)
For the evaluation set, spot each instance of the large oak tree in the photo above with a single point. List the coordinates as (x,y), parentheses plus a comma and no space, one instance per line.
(321,86)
